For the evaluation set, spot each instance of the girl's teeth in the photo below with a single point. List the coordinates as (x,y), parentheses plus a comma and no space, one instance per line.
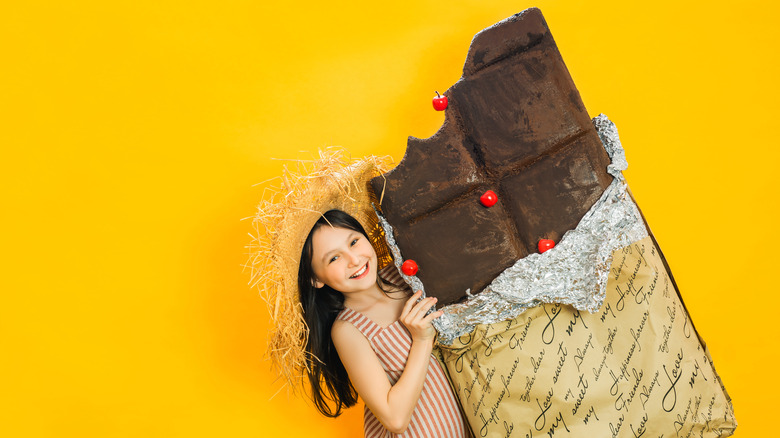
(359,273)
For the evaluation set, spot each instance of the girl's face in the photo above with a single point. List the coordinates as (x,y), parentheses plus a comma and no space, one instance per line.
(343,259)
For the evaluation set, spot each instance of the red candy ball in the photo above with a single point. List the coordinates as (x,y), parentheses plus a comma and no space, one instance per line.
(409,267)
(488,199)
(439,102)
(545,244)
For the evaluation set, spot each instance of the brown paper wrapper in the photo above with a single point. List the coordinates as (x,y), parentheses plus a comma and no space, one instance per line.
(635,368)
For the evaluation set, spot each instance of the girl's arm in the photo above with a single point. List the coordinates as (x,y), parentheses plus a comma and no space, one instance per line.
(391,404)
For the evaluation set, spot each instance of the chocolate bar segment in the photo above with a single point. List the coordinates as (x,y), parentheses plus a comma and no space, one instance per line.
(527,101)
(515,125)
(429,184)
(448,261)
(550,197)
(513,35)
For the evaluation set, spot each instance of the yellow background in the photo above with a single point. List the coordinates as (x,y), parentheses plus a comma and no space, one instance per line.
(133,133)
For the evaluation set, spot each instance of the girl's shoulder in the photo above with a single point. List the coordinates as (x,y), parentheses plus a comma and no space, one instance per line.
(342,327)
(347,339)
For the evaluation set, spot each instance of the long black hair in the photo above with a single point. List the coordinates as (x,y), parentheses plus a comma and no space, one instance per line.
(327,376)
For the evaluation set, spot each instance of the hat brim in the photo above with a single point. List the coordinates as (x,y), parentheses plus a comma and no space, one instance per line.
(282,224)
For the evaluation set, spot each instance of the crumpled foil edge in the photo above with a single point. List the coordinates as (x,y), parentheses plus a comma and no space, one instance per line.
(412,280)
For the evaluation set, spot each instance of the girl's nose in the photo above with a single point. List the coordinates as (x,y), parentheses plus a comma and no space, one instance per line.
(353,258)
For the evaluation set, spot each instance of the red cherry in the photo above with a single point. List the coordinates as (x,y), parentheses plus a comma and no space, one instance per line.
(409,267)
(439,102)
(545,244)
(488,199)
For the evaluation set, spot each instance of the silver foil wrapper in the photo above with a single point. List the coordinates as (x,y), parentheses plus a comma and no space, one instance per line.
(574,272)
(608,134)
(412,280)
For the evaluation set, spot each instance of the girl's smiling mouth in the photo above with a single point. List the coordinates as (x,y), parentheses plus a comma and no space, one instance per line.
(361,273)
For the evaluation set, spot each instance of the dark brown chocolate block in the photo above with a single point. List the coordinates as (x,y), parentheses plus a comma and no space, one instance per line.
(515,125)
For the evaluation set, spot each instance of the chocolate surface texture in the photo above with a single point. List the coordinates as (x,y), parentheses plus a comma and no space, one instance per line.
(515,125)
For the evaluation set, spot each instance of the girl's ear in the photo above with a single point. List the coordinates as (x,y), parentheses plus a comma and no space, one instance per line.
(316,283)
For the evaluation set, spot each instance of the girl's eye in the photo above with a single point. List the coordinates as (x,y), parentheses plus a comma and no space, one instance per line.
(354,241)
(333,259)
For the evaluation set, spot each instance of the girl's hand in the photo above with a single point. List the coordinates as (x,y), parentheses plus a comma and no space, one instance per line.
(414,319)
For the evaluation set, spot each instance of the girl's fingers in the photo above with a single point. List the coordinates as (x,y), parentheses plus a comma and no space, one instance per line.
(410,303)
(431,316)
(420,309)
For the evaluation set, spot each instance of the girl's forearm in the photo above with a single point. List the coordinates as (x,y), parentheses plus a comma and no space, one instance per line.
(403,396)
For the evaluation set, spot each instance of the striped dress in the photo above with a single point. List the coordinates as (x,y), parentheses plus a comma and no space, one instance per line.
(437,413)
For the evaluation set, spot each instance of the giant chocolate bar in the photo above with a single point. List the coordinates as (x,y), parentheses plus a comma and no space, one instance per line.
(515,125)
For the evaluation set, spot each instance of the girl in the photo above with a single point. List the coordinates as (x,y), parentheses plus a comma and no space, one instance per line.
(358,313)
(363,332)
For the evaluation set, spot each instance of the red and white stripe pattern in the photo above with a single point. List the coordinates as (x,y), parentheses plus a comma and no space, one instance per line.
(436,414)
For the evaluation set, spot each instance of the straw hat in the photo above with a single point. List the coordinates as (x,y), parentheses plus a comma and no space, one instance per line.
(282,223)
